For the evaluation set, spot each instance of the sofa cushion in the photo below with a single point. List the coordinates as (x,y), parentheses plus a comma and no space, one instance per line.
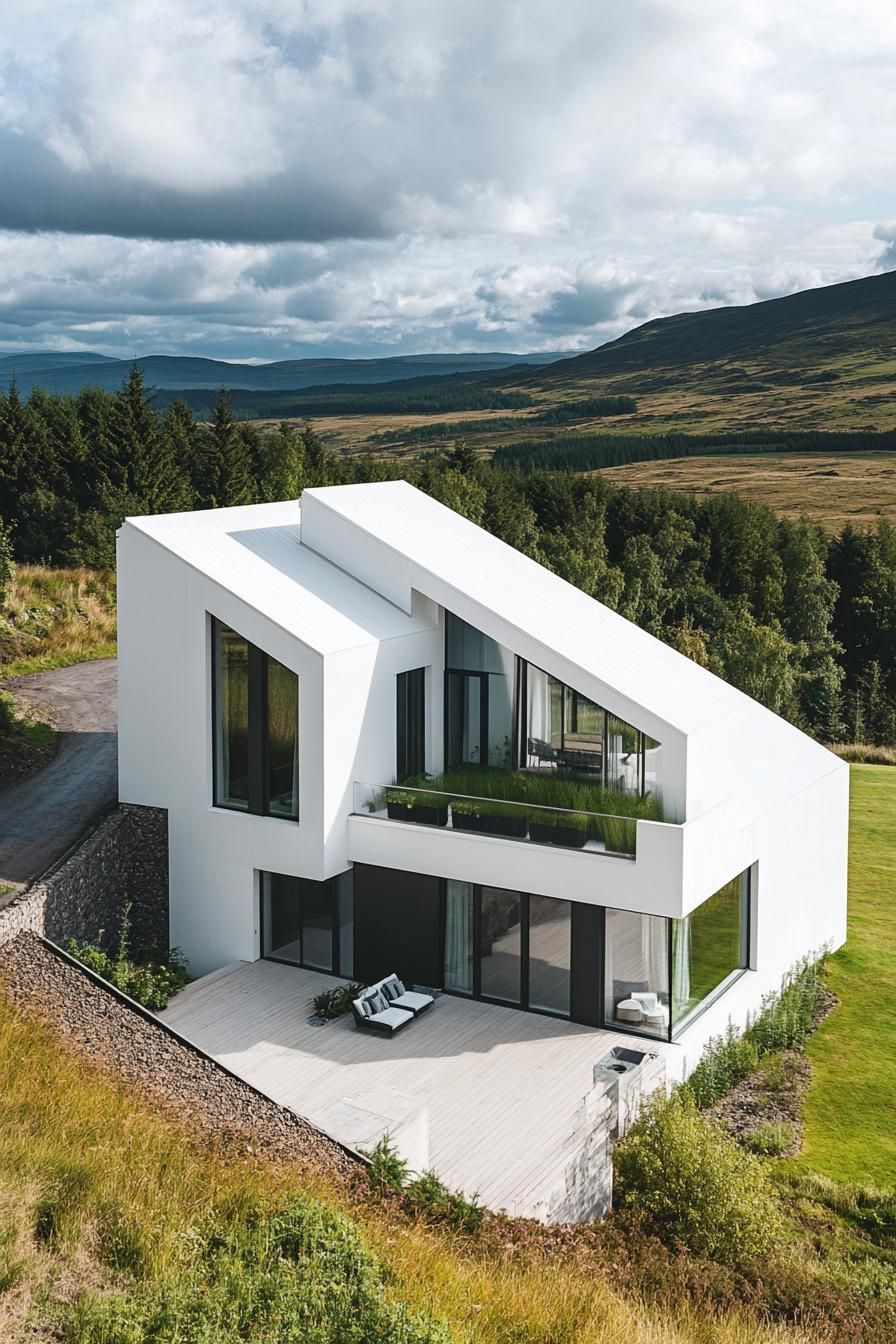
(378,1002)
(364,1007)
(392,1017)
(392,988)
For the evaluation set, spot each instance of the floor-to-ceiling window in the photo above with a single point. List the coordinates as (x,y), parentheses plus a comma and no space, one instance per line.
(410,723)
(308,923)
(508,947)
(479,697)
(636,972)
(255,729)
(709,947)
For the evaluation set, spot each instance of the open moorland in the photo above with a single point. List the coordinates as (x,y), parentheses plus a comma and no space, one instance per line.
(830,489)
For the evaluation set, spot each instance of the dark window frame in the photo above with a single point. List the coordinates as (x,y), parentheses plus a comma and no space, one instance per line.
(258,737)
(330,884)
(410,723)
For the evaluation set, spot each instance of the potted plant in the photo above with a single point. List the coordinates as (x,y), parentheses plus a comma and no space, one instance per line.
(496,818)
(550,826)
(465,814)
(426,809)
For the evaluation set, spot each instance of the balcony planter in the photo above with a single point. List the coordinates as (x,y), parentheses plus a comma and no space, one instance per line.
(408,806)
(558,828)
(465,815)
(509,821)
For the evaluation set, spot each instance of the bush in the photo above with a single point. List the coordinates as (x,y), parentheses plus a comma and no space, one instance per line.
(770,1139)
(429,1196)
(302,1273)
(150,983)
(785,1021)
(694,1185)
(336,1002)
(388,1169)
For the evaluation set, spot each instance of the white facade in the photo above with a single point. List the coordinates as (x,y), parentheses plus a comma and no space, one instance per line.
(351,590)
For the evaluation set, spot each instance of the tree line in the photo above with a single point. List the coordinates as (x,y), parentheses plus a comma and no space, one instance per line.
(803,621)
(588,452)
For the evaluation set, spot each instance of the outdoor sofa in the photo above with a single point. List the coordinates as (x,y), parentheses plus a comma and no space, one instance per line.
(387,1006)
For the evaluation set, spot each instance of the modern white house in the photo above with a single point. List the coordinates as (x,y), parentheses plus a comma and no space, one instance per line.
(388,742)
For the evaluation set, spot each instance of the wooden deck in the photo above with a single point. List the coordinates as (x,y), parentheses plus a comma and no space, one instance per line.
(490,1098)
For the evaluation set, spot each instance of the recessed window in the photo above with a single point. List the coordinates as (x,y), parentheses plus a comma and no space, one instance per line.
(308,923)
(255,728)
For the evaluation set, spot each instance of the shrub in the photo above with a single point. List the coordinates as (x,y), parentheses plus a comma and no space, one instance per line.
(693,1183)
(431,1197)
(150,983)
(302,1273)
(336,1002)
(785,1021)
(771,1139)
(388,1170)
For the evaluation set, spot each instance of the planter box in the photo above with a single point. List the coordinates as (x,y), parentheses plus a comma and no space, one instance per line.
(570,837)
(465,821)
(421,813)
(514,827)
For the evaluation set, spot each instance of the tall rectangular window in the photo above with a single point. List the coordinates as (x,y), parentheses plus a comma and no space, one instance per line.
(501,930)
(709,946)
(410,723)
(255,729)
(459,936)
(549,954)
(231,718)
(282,712)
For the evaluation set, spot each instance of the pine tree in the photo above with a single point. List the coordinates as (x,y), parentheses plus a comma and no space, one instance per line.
(232,477)
(318,460)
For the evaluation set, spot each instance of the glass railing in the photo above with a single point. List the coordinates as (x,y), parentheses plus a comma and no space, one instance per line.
(597,832)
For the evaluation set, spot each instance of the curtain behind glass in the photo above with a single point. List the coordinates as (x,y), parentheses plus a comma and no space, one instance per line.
(637,963)
(459,937)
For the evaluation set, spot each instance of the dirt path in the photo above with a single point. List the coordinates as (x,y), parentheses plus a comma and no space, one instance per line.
(47,812)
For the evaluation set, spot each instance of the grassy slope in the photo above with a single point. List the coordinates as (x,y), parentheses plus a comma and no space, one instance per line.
(55,617)
(850,1121)
(100,1195)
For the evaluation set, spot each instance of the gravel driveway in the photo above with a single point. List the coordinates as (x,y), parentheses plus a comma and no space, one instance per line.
(46,813)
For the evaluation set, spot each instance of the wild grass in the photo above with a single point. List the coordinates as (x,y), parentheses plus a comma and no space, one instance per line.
(54,617)
(864,753)
(118,1227)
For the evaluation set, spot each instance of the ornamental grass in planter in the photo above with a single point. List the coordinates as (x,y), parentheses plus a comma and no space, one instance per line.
(549,827)
(424,808)
(465,814)
(503,819)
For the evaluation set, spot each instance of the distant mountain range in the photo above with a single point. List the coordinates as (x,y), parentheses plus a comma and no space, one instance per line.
(68,372)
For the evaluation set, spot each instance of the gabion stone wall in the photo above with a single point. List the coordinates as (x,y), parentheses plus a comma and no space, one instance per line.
(124,861)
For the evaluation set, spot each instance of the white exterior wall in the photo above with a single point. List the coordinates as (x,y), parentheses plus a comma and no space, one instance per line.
(757,793)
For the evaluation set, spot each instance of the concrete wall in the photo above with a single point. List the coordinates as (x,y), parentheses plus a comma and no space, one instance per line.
(124,861)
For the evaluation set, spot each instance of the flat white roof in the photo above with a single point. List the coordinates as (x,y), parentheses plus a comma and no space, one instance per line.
(440,542)
(255,552)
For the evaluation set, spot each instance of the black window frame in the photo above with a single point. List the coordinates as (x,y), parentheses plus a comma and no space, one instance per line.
(330,884)
(410,723)
(258,744)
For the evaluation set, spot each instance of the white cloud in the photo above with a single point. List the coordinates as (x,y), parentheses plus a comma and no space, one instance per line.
(416,174)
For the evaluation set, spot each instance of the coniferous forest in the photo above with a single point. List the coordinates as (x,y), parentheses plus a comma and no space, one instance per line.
(803,621)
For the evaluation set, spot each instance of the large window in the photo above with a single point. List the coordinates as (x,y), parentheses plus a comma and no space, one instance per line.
(636,972)
(255,730)
(308,923)
(479,697)
(709,946)
(508,947)
(410,723)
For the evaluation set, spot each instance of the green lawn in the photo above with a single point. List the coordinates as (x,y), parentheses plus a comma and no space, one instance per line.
(850,1120)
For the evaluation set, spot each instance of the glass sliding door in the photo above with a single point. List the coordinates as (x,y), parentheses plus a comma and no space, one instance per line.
(303,921)
(501,942)
(709,946)
(549,954)
(282,706)
(636,972)
(459,937)
(231,662)
(280,917)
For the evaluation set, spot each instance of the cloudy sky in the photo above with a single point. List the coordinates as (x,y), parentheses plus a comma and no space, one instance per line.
(279,178)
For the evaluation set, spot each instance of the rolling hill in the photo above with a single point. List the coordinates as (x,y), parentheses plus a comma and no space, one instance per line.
(68,372)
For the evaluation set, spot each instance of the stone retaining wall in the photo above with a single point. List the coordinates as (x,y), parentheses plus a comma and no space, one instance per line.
(181,1079)
(125,860)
